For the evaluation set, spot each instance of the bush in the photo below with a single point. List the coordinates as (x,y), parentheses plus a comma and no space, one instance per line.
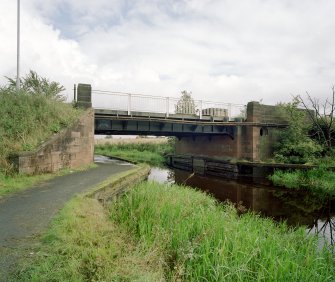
(295,146)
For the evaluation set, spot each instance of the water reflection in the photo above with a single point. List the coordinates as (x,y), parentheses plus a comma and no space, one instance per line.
(295,207)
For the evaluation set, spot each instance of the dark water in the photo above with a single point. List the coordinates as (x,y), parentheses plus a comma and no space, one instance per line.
(297,208)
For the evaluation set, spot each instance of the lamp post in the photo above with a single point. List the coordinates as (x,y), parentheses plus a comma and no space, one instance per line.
(18,47)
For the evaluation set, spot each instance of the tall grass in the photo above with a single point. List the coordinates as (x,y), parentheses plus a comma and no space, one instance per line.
(317,180)
(26,120)
(149,153)
(172,233)
(200,240)
(84,245)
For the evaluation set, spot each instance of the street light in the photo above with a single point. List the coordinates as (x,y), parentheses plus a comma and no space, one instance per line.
(18,48)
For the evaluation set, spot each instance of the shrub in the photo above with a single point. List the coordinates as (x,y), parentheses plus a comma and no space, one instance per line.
(295,146)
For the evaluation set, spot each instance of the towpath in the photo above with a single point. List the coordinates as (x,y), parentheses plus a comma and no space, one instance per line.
(25,215)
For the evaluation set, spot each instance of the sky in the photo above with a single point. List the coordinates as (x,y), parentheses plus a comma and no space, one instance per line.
(232,51)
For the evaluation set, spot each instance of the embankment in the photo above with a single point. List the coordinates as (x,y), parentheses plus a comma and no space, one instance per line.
(168,232)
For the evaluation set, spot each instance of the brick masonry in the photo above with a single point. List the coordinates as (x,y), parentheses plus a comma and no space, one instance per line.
(71,148)
(252,142)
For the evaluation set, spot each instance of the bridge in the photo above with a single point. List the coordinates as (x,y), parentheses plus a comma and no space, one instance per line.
(207,128)
(137,114)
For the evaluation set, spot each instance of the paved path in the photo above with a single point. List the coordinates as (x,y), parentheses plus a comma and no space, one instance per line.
(25,215)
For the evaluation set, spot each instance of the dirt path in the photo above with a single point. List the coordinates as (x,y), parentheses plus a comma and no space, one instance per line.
(25,215)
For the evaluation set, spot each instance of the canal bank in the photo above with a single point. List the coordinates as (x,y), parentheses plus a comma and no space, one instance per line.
(165,232)
(296,208)
(256,172)
(27,214)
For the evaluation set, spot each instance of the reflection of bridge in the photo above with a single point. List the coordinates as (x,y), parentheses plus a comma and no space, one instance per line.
(250,130)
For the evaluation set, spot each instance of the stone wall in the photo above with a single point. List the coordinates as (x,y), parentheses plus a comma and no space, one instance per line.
(71,148)
(257,112)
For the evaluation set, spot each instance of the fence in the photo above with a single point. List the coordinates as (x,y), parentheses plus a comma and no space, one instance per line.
(130,102)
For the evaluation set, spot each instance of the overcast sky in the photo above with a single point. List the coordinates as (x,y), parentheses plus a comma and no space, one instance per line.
(223,50)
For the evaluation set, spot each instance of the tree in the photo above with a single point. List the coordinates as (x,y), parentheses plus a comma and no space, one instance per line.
(35,84)
(185,104)
(295,144)
(322,118)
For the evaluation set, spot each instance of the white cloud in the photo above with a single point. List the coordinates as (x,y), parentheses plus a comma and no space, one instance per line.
(234,51)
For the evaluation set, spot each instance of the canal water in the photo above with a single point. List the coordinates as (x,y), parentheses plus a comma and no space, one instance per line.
(297,208)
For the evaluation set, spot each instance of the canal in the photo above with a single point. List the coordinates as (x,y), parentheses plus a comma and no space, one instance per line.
(297,208)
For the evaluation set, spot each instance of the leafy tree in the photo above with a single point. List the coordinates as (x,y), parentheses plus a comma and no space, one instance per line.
(186,104)
(34,84)
(295,145)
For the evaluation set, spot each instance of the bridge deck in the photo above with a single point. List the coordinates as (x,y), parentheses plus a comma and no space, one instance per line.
(119,122)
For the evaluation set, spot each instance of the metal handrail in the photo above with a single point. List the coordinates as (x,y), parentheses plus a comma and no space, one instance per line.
(135,102)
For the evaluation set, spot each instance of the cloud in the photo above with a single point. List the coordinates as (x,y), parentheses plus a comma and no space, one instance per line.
(42,49)
(234,51)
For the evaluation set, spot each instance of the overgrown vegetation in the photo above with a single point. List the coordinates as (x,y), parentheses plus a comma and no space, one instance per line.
(34,84)
(171,233)
(309,139)
(294,144)
(318,180)
(150,153)
(29,116)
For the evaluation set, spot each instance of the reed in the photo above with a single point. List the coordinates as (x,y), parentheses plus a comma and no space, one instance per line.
(201,240)
(171,233)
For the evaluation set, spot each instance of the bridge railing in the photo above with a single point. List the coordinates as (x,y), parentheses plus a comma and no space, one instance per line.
(169,106)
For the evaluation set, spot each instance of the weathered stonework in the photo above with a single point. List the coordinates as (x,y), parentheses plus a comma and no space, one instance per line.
(251,142)
(71,148)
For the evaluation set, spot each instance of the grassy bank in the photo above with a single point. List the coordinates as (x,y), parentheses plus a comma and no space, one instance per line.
(149,153)
(318,180)
(27,120)
(157,233)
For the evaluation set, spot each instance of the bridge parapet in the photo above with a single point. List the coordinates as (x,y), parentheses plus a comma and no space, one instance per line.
(257,112)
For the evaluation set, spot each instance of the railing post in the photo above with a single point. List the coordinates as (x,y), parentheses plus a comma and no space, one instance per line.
(129,104)
(200,113)
(167,106)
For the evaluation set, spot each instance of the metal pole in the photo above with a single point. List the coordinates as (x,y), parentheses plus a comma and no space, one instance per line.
(200,112)
(18,47)
(74,93)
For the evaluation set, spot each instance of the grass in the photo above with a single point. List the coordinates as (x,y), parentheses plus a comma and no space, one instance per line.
(317,180)
(18,182)
(171,233)
(27,120)
(149,153)
(83,244)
